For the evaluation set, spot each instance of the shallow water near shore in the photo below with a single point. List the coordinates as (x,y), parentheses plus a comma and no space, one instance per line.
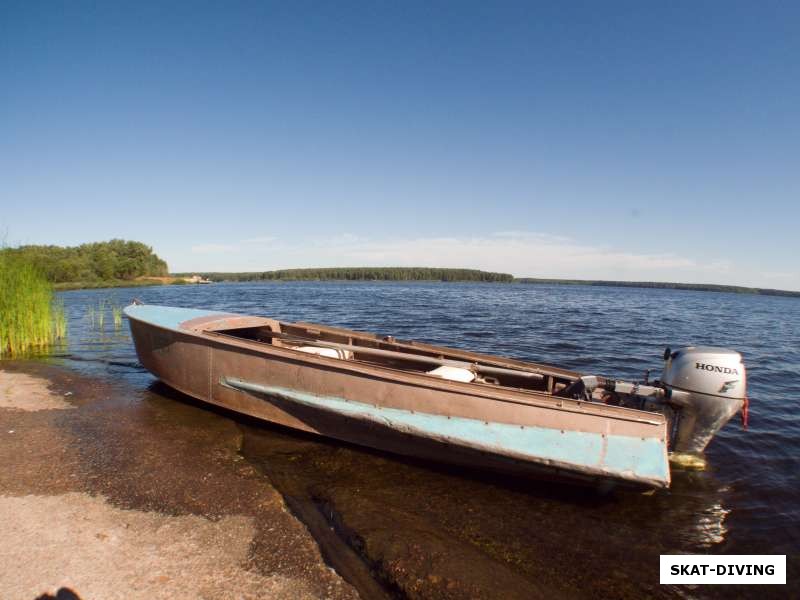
(427,530)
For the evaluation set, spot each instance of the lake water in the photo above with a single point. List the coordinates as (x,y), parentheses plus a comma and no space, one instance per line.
(744,502)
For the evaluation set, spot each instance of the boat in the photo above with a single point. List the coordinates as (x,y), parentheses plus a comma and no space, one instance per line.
(444,404)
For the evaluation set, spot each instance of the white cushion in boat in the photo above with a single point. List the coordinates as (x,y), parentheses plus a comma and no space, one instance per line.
(453,373)
(329,352)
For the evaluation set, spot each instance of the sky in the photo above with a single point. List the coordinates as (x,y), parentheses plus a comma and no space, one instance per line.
(637,140)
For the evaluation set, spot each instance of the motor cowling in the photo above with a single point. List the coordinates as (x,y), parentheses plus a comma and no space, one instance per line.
(708,385)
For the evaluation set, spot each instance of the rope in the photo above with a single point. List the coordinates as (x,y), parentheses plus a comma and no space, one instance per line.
(745,412)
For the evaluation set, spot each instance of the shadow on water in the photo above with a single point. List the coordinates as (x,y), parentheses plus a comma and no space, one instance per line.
(337,554)
(423,529)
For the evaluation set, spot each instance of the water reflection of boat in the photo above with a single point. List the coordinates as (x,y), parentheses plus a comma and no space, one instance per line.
(416,399)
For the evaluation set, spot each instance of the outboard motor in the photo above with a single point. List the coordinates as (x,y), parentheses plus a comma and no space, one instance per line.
(708,386)
(701,388)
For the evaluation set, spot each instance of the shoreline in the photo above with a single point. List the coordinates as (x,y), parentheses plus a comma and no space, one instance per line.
(105,495)
(659,285)
(68,286)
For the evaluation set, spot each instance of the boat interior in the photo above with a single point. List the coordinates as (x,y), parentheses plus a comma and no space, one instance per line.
(386,351)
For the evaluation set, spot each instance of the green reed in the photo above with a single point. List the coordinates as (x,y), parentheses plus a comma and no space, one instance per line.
(59,319)
(30,318)
(116,313)
(101,313)
(97,314)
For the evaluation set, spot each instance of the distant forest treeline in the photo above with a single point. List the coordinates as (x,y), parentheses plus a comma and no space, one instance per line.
(361,274)
(701,287)
(95,262)
(432,274)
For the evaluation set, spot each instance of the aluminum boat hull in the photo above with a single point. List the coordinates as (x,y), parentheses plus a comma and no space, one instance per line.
(514,431)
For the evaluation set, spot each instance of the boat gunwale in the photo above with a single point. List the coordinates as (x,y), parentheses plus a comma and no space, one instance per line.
(518,396)
(457,353)
(208,324)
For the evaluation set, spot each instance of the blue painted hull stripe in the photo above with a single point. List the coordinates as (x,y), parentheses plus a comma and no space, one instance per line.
(630,458)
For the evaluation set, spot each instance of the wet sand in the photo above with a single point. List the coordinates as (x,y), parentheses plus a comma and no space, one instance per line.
(109,495)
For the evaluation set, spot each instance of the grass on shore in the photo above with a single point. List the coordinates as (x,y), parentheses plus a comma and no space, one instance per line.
(115,283)
(30,317)
(94,285)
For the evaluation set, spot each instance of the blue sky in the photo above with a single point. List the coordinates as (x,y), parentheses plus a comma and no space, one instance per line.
(604,140)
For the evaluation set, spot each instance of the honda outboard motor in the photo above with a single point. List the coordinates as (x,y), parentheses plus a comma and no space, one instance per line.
(708,385)
(701,388)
